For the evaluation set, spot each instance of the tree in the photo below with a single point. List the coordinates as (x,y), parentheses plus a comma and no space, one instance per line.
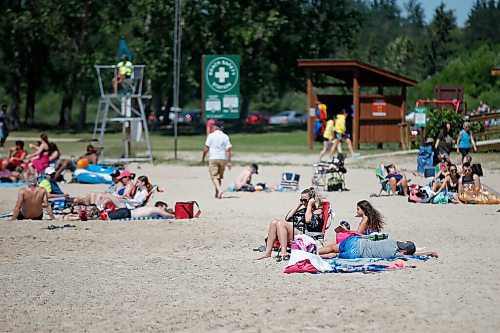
(440,40)
(399,54)
(483,23)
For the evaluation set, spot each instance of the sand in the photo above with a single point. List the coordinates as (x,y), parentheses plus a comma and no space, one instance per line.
(201,275)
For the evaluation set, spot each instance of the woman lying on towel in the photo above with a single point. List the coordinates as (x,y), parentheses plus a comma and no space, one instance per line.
(307,212)
(470,190)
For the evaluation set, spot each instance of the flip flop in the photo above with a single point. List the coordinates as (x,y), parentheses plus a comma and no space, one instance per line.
(279,258)
(286,257)
(261,248)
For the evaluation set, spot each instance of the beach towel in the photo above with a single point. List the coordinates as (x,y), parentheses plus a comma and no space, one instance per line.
(18,184)
(301,262)
(304,262)
(143,218)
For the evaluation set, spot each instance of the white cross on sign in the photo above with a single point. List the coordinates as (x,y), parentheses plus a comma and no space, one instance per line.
(222,75)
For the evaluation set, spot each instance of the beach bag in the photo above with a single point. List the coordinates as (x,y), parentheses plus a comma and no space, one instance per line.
(185,210)
(334,184)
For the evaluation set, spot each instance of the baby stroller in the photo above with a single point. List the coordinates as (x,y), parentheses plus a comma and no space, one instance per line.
(330,175)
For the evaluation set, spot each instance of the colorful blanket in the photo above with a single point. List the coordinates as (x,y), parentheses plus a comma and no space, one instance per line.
(336,265)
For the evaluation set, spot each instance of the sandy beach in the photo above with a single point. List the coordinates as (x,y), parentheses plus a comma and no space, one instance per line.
(201,275)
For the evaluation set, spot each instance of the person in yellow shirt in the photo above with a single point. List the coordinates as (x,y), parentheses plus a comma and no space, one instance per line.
(328,136)
(341,133)
(124,71)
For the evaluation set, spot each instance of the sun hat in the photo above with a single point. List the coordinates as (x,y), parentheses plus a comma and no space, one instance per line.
(409,246)
(429,140)
(123,174)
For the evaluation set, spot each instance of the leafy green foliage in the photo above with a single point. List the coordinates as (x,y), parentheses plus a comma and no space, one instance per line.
(437,119)
(48,47)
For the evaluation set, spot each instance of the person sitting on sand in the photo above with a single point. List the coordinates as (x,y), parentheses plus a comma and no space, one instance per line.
(160,209)
(468,178)
(50,185)
(15,157)
(244,180)
(93,198)
(371,219)
(451,184)
(91,154)
(308,211)
(133,200)
(357,247)
(439,179)
(39,160)
(31,200)
(397,180)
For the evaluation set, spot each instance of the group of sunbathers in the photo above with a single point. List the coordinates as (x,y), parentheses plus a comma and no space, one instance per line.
(307,215)
(458,183)
(42,169)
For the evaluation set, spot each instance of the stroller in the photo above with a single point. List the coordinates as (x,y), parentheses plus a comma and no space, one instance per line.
(335,169)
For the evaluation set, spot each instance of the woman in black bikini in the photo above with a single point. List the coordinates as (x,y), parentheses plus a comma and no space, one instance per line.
(308,212)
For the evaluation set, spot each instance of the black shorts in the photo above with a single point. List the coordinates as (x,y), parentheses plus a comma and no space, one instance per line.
(22,217)
(122,213)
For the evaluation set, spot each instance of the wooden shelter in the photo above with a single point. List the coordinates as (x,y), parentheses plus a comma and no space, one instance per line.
(376,117)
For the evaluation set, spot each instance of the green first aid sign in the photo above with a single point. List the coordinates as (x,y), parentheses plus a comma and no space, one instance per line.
(221,86)
(420,116)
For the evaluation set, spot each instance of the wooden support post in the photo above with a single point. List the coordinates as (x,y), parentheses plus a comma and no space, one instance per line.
(355,121)
(404,140)
(310,104)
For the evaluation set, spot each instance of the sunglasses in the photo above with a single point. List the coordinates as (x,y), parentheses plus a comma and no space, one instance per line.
(453,170)
(304,200)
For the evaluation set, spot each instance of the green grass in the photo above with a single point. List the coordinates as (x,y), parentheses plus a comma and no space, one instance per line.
(293,142)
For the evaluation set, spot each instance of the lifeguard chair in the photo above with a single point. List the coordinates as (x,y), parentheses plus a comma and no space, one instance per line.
(125,107)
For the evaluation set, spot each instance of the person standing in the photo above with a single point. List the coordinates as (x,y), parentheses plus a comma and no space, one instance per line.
(218,148)
(465,140)
(328,135)
(444,142)
(341,133)
(4,126)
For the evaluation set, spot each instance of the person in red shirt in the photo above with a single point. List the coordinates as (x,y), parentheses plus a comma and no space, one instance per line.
(15,157)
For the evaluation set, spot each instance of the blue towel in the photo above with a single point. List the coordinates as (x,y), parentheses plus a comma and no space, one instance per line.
(18,184)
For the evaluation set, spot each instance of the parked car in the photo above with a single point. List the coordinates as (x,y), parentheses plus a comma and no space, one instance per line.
(186,117)
(288,118)
(257,118)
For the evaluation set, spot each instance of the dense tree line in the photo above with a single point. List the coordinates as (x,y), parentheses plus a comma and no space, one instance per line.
(49,45)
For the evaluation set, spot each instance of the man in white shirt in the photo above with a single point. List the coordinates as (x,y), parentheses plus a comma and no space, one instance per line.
(218,148)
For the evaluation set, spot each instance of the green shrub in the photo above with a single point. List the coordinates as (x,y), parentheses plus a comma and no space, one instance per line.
(438,118)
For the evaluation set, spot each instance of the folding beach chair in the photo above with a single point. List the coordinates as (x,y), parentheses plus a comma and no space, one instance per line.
(384,184)
(336,169)
(328,216)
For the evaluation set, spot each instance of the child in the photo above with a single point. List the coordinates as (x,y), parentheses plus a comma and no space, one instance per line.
(372,221)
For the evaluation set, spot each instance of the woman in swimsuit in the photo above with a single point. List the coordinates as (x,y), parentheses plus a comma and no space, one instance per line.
(308,211)
(39,160)
(371,219)
(438,181)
